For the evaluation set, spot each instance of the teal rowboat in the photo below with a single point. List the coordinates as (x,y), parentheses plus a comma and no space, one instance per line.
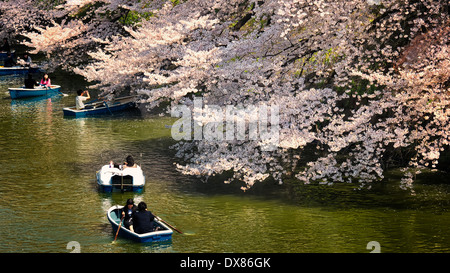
(101,107)
(163,234)
(22,92)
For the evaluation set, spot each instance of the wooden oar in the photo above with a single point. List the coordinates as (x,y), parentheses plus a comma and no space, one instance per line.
(62,94)
(94,103)
(172,227)
(118,229)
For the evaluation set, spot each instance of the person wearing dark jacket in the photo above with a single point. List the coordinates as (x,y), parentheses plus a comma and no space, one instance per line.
(128,210)
(30,82)
(143,220)
(9,61)
(5,47)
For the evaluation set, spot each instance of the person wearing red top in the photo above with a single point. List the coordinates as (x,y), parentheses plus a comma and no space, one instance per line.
(45,81)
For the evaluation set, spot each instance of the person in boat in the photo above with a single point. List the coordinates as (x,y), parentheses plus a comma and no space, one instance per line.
(45,81)
(128,163)
(81,98)
(143,220)
(5,47)
(127,214)
(9,61)
(27,60)
(30,82)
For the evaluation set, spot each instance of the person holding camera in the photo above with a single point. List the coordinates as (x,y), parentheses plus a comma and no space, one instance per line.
(80,99)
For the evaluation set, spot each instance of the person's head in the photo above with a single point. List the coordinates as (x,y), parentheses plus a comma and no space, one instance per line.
(142,206)
(80,92)
(45,76)
(130,161)
(130,203)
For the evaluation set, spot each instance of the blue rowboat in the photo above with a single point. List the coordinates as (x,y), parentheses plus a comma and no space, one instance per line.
(17,70)
(164,233)
(22,92)
(4,54)
(128,179)
(101,107)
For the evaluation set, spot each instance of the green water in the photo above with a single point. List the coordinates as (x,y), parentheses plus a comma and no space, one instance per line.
(48,194)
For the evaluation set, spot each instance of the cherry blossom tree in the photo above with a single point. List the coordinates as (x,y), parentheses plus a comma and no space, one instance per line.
(355,81)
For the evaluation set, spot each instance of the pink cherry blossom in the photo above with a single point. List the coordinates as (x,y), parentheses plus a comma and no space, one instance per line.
(353,79)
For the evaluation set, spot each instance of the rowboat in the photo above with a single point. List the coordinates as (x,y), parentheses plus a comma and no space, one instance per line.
(22,92)
(128,179)
(17,70)
(101,107)
(164,233)
(4,54)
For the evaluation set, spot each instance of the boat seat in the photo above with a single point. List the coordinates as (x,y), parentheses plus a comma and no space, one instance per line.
(127,180)
(123,183)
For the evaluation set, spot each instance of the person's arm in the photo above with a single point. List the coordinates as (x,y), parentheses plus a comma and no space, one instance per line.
(152,217)
(88,96)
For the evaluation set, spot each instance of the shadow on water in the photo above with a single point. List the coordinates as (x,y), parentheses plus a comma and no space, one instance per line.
(429,191)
